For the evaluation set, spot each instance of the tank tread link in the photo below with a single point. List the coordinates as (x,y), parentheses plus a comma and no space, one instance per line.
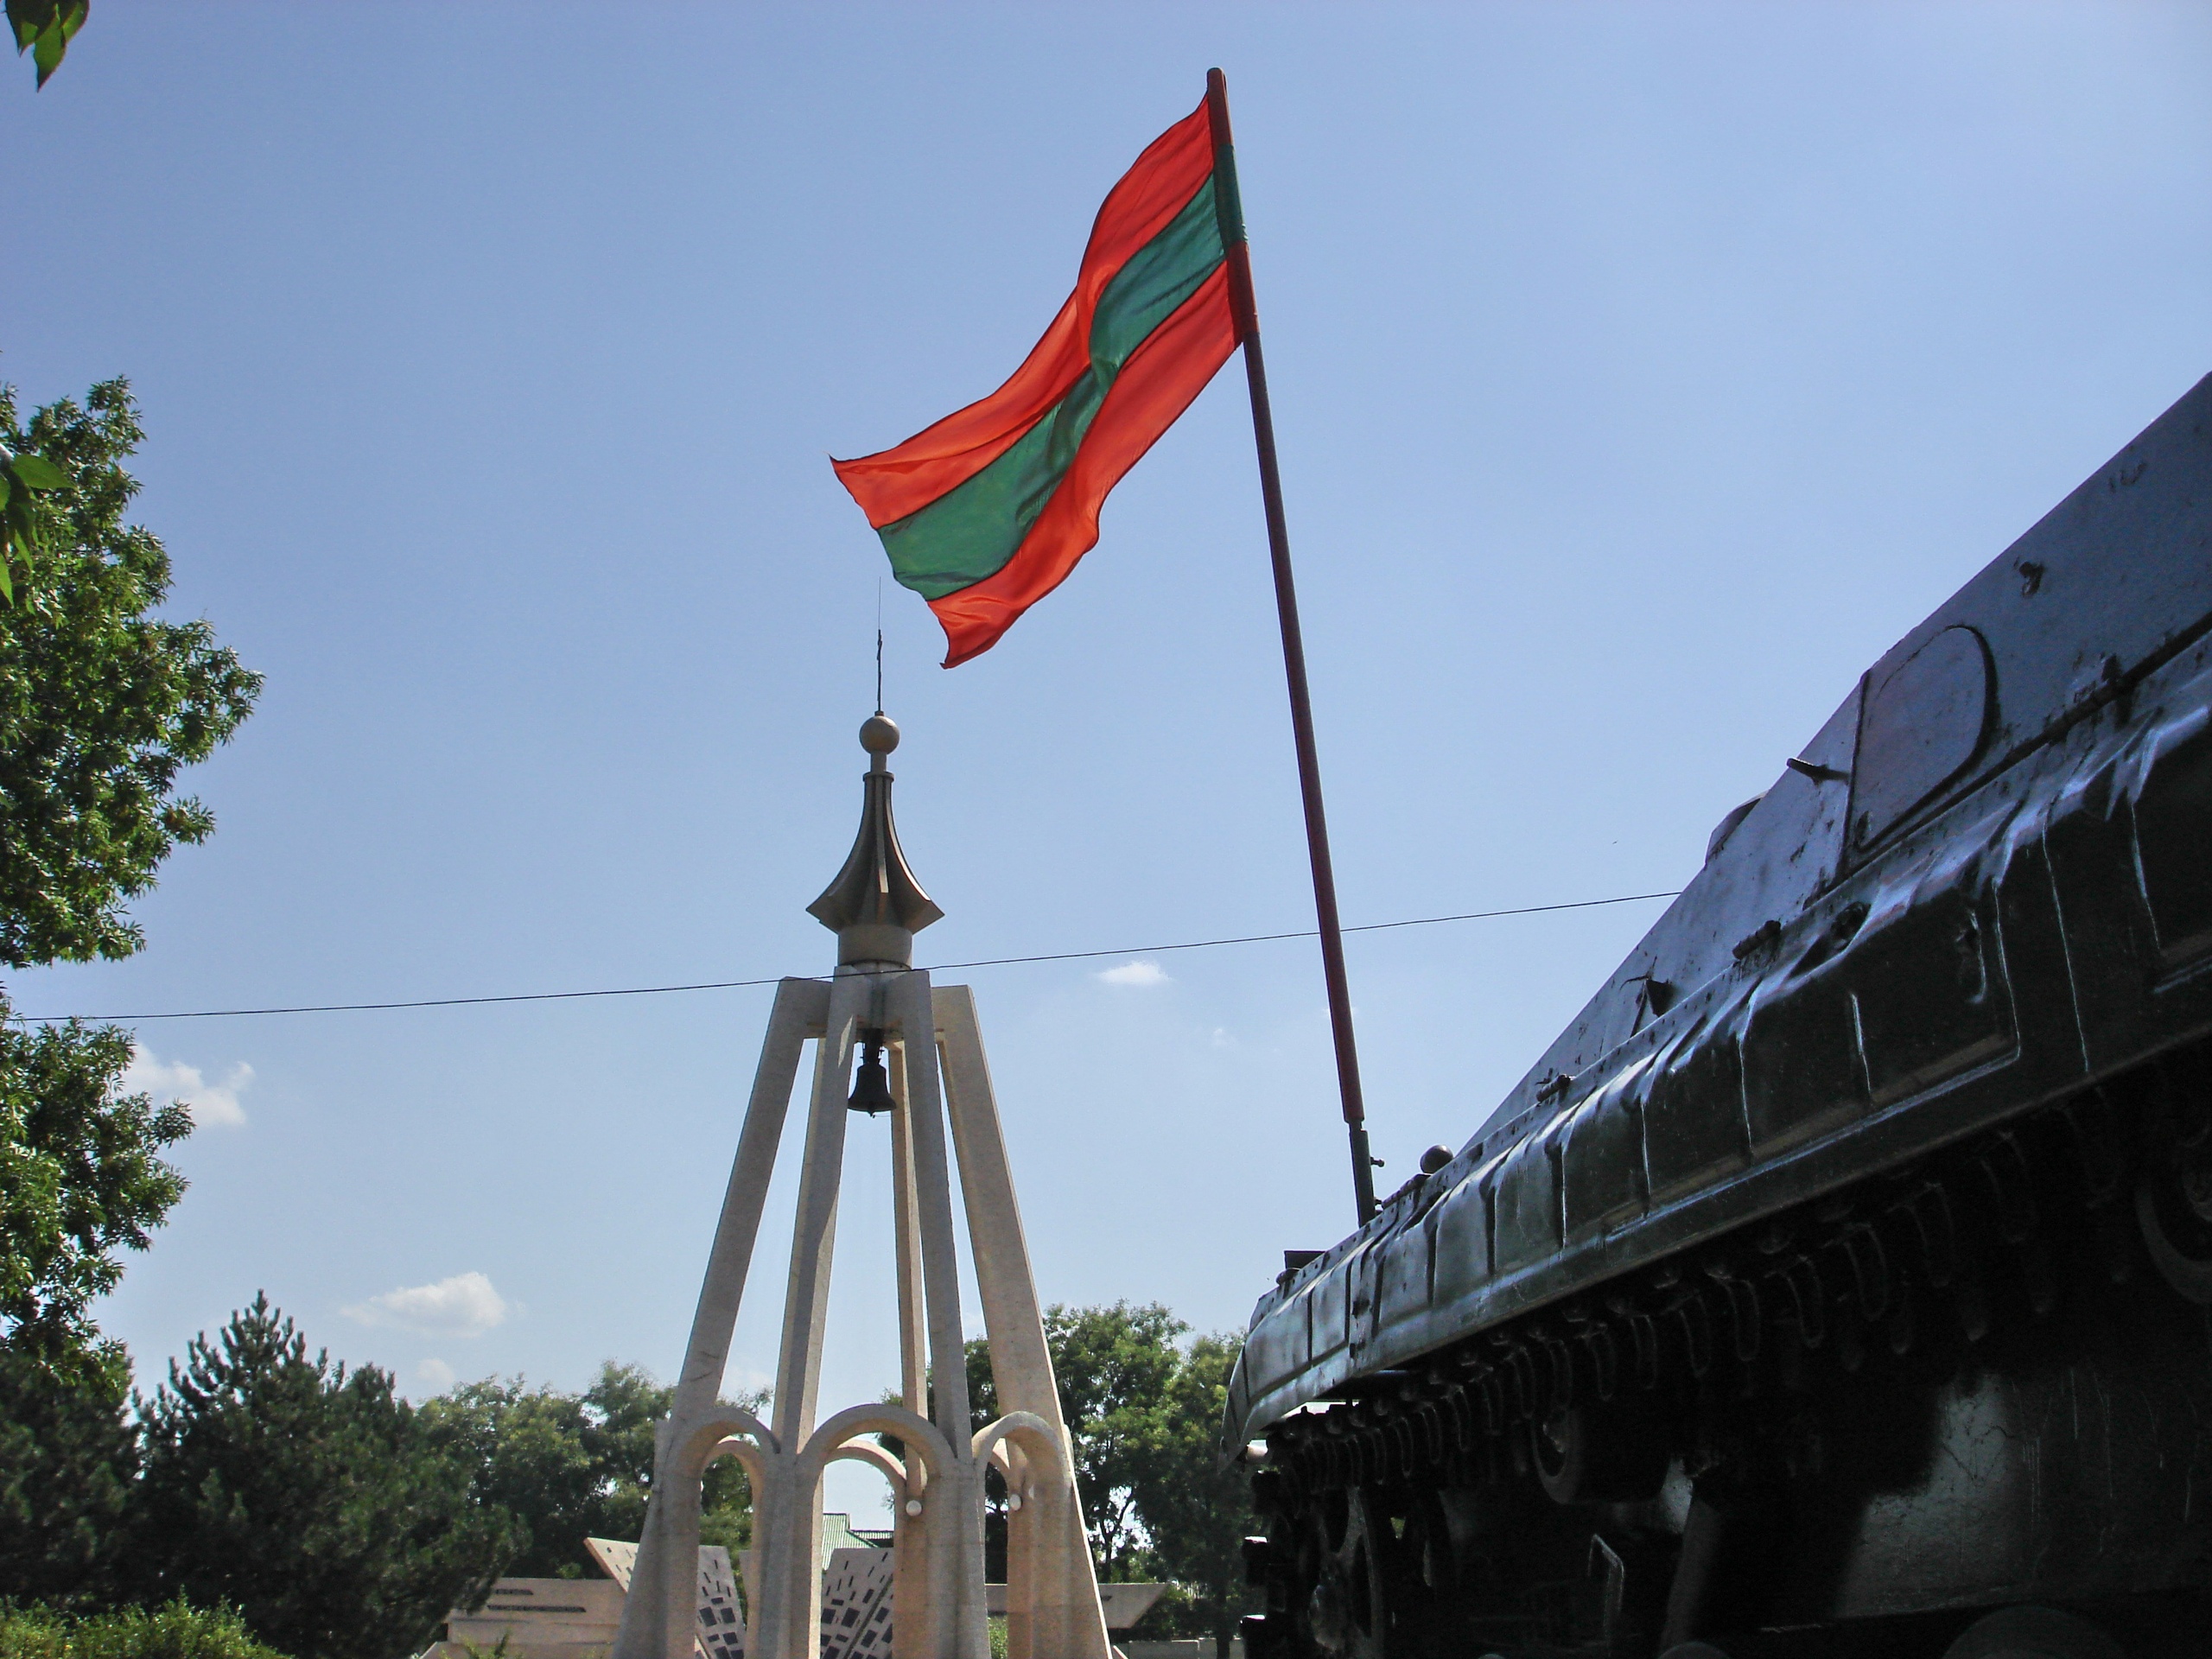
(1837,1282)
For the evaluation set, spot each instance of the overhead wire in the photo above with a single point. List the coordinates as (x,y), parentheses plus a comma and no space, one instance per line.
(743,984)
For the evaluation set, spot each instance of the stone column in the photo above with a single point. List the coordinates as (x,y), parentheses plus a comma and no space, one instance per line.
(914,1633)
(1055,1595)
(659,1614)
(954,1505)
(788,1533)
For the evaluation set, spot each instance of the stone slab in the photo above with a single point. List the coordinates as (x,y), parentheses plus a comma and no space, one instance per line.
(856,1603)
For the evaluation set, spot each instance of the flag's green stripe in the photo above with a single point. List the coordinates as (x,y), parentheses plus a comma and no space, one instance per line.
(1232,203)
(971,530)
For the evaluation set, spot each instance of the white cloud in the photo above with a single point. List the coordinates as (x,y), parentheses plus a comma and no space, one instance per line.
(1134,973)
(435,1375)
(463,1305)
(211,1104)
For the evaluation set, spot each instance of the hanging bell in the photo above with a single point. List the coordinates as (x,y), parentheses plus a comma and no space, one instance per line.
(871,1084)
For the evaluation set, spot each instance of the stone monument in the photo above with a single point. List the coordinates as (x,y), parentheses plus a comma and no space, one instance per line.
(879,1002)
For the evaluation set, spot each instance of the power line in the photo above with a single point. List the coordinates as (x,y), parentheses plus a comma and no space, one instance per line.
(742,984)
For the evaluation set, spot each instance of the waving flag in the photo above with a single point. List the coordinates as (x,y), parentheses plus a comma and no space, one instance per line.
(988,511)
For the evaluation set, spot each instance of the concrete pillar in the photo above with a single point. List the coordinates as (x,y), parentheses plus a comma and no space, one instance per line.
(914,1634)
(906,1228)
(954,1504)
(659,1614)
(789,1543)
(1052,1608)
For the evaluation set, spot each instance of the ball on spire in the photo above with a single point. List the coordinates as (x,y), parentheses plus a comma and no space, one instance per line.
(878,734)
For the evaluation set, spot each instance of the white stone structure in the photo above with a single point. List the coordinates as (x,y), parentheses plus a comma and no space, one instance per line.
(879,1001)
(535,1618)
(577,1619)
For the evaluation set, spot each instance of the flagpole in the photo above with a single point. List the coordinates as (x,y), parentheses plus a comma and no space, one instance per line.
(1246,316)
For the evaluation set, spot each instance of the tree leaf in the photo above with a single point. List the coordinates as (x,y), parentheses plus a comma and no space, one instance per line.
(25,528)
(38,473)
(52,43)
(26,18)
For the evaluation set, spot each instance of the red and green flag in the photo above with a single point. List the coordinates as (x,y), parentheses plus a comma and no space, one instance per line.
(988,511)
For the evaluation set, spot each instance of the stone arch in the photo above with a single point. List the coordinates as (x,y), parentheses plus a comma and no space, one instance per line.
(877,1458)
(920,1437)
(1031,1433)
(747,1451)
(730,1431)
(925,1590)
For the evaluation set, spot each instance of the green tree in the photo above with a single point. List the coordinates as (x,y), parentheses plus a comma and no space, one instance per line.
(527,1457)
(1145,1415)
(101,703)
(68,1454)
(176,1631)
(1195,1509)
(80,1179)
(1112,1366)
(313,1499)
(622,1409)
(567,1467)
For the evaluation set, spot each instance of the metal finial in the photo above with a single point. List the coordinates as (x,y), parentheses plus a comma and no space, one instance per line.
(876,906)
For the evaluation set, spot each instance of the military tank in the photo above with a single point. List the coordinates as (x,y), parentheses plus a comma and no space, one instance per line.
(1838,1282)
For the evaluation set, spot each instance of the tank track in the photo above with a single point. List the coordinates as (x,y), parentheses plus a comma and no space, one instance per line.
(1529,1490)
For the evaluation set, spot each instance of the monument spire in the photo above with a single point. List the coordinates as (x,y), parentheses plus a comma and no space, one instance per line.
(928,1587)
(876,906)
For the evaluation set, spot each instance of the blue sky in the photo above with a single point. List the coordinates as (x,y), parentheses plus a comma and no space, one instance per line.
(1642,373)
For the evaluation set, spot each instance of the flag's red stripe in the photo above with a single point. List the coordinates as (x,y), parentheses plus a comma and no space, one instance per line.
(1155,386)
(895,482)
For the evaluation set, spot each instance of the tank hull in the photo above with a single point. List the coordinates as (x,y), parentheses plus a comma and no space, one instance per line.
(1843,1268)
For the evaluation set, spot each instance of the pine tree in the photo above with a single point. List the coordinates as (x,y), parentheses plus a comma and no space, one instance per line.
(67,1458)
(313,1499)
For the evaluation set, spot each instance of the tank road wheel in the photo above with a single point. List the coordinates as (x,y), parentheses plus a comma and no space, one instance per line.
(1427,1565)
(1588,1454)
(2033,1633)
(2174,1208)
(1348,1613)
